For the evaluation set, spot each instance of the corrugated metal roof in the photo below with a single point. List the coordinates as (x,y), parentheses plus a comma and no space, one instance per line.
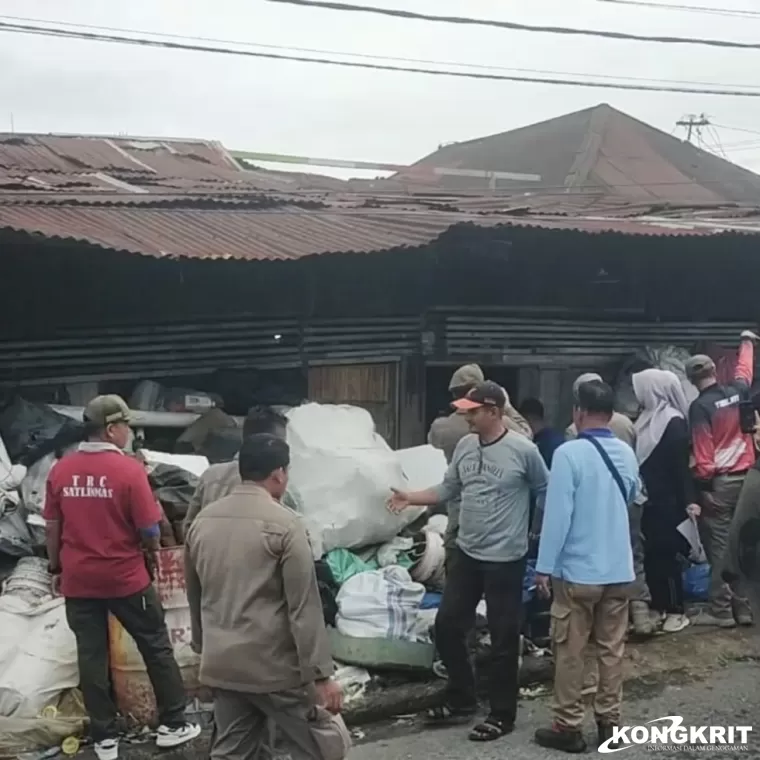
(599,149)
(62,164)
(224,234)
(291,233)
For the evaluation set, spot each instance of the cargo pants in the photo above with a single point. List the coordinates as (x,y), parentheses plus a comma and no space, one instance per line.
(716,530)
(638,590)
(583,615)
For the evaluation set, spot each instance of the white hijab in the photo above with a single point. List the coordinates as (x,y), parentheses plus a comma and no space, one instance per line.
(660,393)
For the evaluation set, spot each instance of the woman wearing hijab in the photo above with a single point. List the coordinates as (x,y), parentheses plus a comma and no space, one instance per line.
(662,448)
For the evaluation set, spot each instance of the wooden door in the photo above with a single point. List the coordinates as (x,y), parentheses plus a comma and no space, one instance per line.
(370,386)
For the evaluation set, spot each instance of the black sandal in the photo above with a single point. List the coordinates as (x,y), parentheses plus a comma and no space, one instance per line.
(490,730)
(447,715)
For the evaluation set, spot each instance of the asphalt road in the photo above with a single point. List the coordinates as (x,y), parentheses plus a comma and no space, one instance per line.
(729,697)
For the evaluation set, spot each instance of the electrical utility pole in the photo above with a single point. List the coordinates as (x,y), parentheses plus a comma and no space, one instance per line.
(692,122)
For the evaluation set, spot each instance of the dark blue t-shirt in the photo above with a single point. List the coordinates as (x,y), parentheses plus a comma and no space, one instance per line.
(548,441)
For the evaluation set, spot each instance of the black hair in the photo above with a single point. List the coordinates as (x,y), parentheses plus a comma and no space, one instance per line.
(532,408)
(263,419)
(596,397)
(262,454)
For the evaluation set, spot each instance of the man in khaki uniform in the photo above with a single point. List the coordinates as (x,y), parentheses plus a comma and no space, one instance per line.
(221,479)
(446,432)
(257,614)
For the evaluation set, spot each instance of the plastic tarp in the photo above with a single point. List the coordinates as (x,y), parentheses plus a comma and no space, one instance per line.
(38,656)
(174,479)
(33,487)
(696,582)
(343,471)
(25,425)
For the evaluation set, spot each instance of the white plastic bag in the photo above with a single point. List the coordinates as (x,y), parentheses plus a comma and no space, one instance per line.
(690,531)
(344,471)
(380,604)
(38,656)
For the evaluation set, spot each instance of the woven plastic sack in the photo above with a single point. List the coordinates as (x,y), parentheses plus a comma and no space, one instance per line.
(38,656)
(380,604)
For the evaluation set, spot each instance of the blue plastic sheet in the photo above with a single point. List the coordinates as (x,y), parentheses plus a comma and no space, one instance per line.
(431,601)
(696,582)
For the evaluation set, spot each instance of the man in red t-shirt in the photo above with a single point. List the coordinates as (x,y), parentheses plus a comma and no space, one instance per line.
(101,515)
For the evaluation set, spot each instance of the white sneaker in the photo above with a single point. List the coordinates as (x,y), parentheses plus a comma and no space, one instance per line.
(108,749)
(173,737)
(675,623)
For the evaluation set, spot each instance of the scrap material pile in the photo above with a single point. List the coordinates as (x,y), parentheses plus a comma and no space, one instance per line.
(380,575)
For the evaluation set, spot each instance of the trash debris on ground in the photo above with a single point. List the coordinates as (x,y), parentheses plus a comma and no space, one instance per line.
(353,680)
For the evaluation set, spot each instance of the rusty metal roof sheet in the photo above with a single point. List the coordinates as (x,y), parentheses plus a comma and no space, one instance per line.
(125,168)
(599,149)
(292,233)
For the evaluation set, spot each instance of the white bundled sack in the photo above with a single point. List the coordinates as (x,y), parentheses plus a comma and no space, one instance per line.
(38,655)
(344,471)
(380,604)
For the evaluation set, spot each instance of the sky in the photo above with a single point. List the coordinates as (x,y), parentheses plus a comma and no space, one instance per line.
(71,86)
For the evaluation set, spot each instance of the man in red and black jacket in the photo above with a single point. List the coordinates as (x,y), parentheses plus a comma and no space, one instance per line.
(723,454)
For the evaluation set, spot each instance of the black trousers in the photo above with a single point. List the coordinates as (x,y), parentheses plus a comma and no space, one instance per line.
(143,618)
(663,547)
(467,581)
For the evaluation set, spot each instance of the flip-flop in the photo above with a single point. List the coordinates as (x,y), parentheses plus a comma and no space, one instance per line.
(490,730)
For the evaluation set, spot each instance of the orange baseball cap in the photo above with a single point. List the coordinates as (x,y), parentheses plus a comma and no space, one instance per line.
(483,394)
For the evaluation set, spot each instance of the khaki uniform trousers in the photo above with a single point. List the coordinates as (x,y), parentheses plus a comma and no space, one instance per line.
(584,617)
(244,722)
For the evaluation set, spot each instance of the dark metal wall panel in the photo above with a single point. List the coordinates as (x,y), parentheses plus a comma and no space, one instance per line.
(528,340)
(103,353)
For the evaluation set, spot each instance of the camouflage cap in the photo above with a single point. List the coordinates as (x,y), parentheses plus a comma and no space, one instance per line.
(470,374)
(106,410)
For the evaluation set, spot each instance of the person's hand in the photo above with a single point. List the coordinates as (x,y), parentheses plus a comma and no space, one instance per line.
(55,584)
(694,511)
(329,695)
(750,335)
(398,502)
(543,586)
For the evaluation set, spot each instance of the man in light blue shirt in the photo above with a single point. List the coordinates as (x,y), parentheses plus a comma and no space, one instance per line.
(585,550)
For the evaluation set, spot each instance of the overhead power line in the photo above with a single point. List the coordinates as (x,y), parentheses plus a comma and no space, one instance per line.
(208,48)
(732,12)
(738,129)
(514,26)
(372,56)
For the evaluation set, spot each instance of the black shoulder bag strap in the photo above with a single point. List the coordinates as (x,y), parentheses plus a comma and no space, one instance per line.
(607,461)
